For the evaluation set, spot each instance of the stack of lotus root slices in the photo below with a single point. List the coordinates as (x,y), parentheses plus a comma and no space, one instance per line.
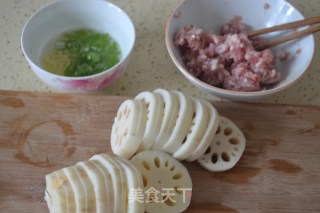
(150,135)
(185,127)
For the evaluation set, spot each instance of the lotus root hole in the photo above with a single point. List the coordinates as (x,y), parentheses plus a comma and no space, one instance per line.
(227,131)
(146,165)
(177,176)
(166,163)
(172,168)
(157,162)
(218,143)
(168,201)
(145,181)
(234,141)
(225,156)
(152,197)
(236,148)
(208,150)
(218,130)
(233,154)
(214,158)
(178,190)
(194,115)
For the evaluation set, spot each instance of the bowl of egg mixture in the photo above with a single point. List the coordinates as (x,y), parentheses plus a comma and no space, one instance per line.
(78,45)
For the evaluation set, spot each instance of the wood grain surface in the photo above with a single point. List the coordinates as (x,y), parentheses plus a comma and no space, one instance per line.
(278,172)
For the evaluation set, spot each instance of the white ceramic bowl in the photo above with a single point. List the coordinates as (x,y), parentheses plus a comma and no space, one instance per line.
(60,16)
(212,14)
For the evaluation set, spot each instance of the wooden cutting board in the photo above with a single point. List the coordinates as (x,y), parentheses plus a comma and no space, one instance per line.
(279,170)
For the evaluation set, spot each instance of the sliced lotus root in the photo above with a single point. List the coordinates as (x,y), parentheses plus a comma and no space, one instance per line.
(128,128)
(90,199)
(208,135)
(170,113)
(74,190)
(109,180)
(104,201)
(70,198)
(182,123)
(155,106)
(167,183)
(56,194)
(77,187)
(225,149)
(118,177)
(134,182)
(196,131)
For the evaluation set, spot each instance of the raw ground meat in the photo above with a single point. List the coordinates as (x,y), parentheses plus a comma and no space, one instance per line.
(229,60)
(233,27)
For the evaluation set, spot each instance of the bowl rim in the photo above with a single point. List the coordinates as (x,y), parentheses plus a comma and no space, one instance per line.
(40,69)
(218,90)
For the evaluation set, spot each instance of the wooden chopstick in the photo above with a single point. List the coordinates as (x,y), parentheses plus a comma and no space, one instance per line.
(304,22)
(290,37)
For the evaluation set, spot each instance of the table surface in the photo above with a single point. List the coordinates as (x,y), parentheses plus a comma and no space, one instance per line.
(150,66)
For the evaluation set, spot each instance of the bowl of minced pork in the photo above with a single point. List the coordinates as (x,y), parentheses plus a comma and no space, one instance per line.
(207,42)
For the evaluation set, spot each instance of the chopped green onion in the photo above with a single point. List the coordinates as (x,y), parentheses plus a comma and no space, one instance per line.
(89,52)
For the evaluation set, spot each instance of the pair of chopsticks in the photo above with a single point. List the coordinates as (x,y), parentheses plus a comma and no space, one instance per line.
(312,29)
